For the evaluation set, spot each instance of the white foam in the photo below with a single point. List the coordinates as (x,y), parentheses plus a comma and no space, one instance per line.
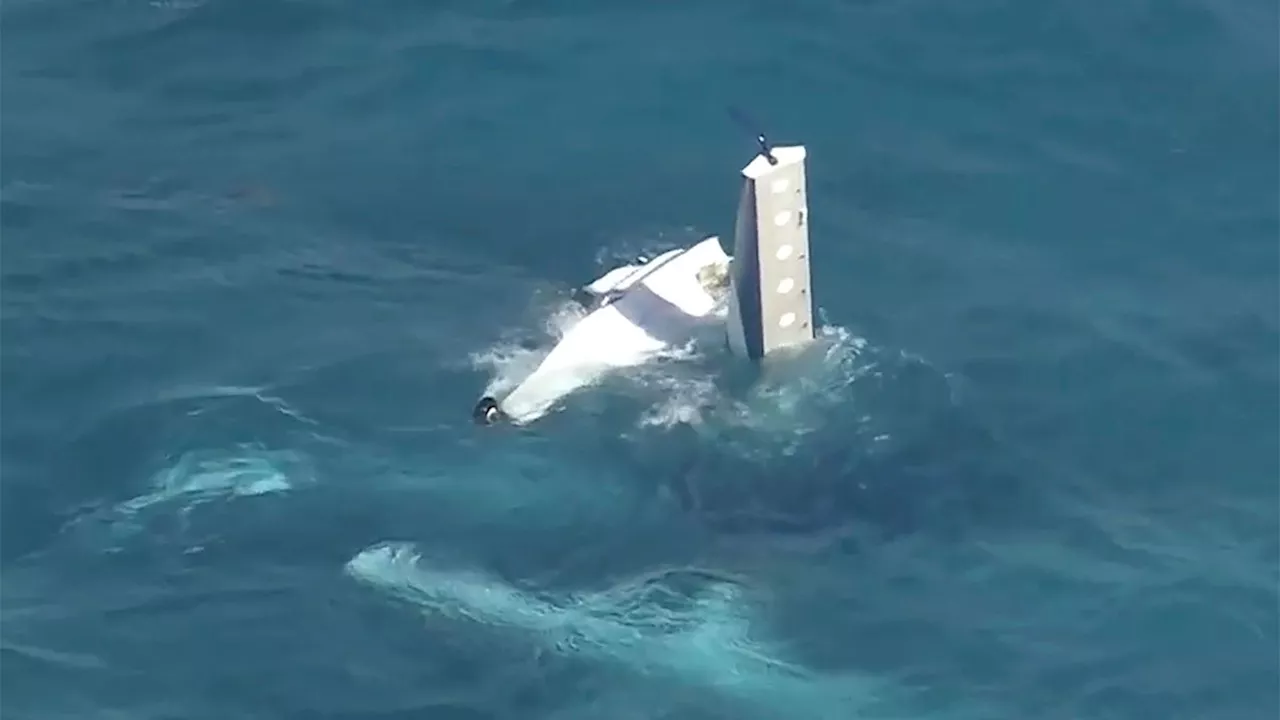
(197,478)
(790,397)
(703,641)
(200,476)
(614,625)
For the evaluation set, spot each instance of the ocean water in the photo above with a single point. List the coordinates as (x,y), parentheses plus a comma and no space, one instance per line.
(261,256)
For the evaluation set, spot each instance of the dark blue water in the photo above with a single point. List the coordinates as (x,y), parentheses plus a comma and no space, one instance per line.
(260,257)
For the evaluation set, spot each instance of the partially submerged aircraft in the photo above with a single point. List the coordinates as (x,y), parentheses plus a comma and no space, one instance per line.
(636,312)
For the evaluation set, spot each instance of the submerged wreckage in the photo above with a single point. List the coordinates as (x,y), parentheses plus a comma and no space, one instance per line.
(761,295)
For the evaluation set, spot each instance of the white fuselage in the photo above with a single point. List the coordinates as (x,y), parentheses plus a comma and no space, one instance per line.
(645,310)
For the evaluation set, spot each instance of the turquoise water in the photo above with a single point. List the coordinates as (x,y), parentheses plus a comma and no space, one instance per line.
(260,258)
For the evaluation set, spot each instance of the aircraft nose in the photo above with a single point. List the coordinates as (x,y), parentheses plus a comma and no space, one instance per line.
(486,411)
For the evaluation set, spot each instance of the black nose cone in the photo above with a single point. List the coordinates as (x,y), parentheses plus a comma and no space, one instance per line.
(486,411)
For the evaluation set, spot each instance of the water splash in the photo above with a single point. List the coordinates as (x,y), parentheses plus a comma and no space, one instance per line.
(513,358)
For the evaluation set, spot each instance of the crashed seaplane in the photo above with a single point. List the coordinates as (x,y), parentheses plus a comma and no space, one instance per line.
(760,295)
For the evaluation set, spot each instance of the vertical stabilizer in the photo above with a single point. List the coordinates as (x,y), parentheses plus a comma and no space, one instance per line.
(771,307)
